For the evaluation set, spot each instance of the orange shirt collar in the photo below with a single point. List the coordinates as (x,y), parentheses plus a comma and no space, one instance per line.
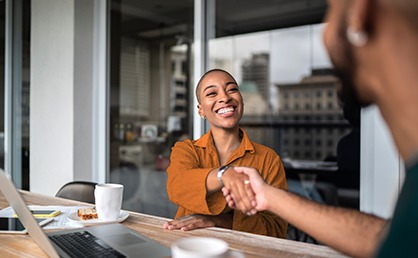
(207,141)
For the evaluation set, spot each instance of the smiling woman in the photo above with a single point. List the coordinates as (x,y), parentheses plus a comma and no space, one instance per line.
(220,100)
(200,168)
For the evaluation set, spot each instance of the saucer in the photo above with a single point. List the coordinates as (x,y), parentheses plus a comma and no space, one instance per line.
(73,217)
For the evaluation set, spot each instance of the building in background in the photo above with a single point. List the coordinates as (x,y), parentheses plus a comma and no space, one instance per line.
(256,71)
(312,117)
(254,102)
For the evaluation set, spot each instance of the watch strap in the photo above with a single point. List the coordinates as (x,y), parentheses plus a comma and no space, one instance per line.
(221,171)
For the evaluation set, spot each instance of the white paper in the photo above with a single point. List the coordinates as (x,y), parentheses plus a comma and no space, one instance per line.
(61,221)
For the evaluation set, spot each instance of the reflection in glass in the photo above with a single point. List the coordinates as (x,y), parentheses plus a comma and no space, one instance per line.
(149,73)
(295,110)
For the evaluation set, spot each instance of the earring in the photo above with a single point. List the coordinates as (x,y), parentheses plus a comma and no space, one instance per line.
(203,117)
(357,38)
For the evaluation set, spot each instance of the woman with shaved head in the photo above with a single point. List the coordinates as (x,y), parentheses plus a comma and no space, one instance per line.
(200,168)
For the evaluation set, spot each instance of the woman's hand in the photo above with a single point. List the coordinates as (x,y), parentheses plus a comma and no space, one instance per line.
(195,221)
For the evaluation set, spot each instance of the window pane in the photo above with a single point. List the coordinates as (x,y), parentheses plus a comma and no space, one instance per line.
(150,69)
(2,59)
(290,92)
(18,67)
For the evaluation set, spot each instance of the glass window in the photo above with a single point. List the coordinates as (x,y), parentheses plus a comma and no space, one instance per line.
(286,107)
(297,73)
(17,64)
(150,57)
(2,82)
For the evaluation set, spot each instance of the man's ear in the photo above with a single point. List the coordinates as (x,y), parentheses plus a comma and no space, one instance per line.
(359,15)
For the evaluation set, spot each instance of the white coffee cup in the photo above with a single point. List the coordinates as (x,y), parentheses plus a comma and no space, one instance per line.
(201,247)
(108,201)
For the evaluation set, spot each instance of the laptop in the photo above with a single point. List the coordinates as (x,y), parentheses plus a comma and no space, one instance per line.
(109,240)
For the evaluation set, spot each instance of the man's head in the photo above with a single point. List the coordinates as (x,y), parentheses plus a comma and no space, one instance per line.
(341,51)
(357,36)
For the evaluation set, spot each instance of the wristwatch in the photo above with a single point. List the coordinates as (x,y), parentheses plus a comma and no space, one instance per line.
(221,171)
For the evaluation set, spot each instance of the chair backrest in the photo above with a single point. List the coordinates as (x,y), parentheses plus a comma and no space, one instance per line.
(78,190)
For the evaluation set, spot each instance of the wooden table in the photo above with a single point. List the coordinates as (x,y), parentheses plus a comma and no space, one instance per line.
(151,226)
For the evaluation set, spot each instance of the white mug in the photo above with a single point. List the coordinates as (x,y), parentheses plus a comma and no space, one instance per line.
(202,247)
(108,201)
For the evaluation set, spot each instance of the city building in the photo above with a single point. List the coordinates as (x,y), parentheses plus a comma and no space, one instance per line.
(313,115)
(256,71)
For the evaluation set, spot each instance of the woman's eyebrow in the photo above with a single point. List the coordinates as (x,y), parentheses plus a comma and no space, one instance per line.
(208,87)
(214,86)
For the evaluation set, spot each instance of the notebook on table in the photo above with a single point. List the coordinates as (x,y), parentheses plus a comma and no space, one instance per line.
(108,240)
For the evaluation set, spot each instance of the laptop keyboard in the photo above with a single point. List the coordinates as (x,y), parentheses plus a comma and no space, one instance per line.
(84,244)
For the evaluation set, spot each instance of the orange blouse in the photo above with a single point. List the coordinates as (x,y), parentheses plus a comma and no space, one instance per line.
(192,160)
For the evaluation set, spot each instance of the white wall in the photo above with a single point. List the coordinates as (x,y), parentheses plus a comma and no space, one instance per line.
(64,92)
(382,169)
(51,98)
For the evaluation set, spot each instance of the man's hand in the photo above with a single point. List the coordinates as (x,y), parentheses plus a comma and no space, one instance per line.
(258,187)
(239,188)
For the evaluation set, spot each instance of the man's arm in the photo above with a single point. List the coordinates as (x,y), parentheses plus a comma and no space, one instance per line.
(349,231)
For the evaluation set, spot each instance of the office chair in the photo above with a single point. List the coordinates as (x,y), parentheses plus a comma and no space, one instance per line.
(78,190)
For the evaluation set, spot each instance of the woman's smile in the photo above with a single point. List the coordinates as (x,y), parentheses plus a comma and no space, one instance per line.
(226,111)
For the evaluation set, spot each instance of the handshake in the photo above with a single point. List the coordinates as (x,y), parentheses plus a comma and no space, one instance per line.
(245,190)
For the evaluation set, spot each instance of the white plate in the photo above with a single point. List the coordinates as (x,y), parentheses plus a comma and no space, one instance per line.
(75,218)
